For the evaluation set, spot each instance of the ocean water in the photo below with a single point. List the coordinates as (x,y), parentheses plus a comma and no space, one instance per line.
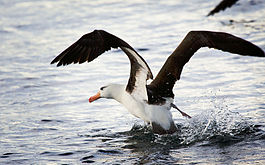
(45,116)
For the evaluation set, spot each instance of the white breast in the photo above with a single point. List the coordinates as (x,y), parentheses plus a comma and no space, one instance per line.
(149,113)
(160,114)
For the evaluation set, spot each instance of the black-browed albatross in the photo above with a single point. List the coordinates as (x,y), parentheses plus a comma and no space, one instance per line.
(151,102)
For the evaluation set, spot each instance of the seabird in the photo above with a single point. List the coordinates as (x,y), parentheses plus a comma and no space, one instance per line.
(151,102)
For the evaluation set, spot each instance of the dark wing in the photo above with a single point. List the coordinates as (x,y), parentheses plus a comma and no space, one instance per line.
(170,72)
(93,44)
(222,6)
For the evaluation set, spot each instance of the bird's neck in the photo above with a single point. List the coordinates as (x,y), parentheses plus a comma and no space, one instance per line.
(117,92)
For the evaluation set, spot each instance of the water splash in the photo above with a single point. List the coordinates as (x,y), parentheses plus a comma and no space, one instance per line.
(219,121)
(216,125)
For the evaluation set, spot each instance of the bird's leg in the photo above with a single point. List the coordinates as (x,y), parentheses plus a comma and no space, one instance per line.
(183,113)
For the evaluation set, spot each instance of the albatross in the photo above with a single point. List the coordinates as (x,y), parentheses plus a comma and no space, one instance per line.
(151,102)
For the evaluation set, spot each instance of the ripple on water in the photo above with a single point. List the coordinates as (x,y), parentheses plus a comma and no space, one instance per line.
(87,159)
(65,154)
(6,155)
(50,121)
(109,151)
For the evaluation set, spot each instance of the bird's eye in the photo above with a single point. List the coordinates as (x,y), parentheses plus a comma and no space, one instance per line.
(102,88)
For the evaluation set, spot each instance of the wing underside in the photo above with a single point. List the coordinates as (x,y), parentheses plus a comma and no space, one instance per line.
(93,44)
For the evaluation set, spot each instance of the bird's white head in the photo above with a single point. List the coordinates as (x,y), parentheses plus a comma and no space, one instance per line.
(109,91)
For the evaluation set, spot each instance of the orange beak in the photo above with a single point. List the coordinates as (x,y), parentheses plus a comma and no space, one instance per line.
(95,97)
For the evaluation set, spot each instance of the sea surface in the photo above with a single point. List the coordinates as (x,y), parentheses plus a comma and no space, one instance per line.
(45,116)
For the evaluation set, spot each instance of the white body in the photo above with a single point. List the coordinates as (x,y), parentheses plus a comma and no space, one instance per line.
(159,114)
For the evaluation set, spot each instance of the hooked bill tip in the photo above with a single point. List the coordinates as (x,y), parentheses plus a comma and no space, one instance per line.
(90,100)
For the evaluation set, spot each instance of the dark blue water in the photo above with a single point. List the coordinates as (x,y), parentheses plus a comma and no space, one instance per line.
(45,117)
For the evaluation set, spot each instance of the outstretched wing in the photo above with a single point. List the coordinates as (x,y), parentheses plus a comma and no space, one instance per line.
(93,44)
(170,72)
(222,6)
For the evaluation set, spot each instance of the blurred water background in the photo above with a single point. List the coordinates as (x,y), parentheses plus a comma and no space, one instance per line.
(45,117)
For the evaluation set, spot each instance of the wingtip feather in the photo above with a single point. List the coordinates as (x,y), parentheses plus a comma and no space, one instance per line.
(53,61)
